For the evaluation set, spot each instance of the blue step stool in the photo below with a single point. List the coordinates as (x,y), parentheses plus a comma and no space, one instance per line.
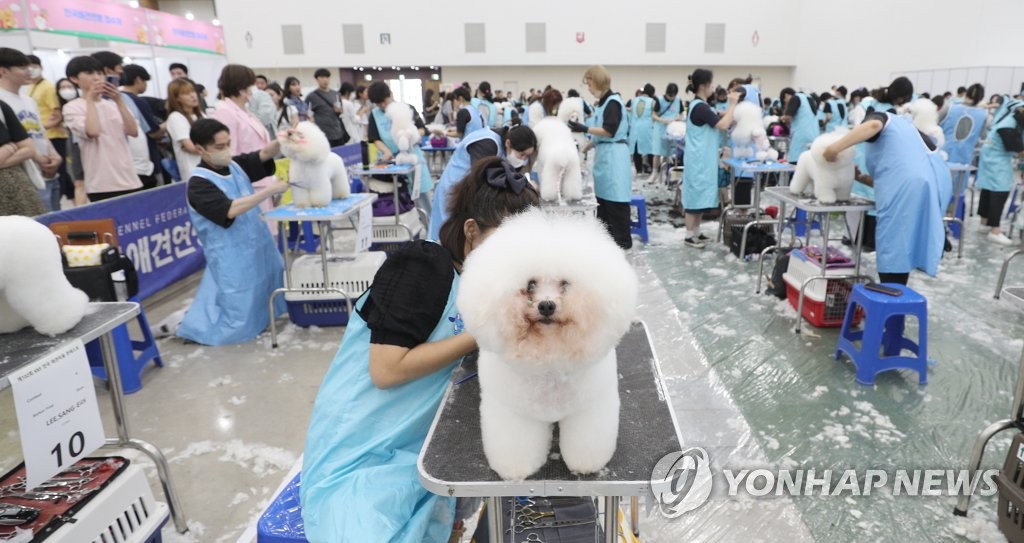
(282,521)
(639,226)
(882,341)
(130,364)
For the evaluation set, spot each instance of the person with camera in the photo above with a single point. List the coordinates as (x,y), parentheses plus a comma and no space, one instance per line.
(101,122)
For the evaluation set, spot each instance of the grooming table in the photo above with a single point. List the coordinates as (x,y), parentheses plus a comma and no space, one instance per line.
(760,171)
(452,461)
(813,207)
(337,210)
(437,156)
(1015,295)
(26,346)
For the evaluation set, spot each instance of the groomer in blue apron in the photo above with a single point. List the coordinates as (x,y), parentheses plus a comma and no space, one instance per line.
(243,266)
(379,132)
(483,102)
(962,126)
(837,111)
(613,176)
(669,107)
(912,189)
(516,144)
(467,118)
(799,114)
(995,167)
(704,129)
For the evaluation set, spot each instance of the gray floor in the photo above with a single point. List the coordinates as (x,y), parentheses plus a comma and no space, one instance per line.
(232,420)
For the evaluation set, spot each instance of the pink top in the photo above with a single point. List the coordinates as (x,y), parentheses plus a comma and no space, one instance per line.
(106,159)
(247,132)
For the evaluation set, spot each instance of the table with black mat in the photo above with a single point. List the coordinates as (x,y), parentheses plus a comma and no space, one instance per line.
(452,461)
(27,346)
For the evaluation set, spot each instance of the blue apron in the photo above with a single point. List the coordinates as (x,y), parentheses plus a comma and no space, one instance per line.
(971,121)
(359,476)
(753,95)
(995,164)
(384,131)
(803,128)
(476,122)
(613,176)
(457,168)
(666,110)
(507,115)
(243,267)
(838,119)
(641,129)
(700,176)
(912,188)
(492,111)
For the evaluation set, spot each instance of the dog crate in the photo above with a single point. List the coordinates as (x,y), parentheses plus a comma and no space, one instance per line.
(122,512)
(825,299)
(353,274)
(1010,485)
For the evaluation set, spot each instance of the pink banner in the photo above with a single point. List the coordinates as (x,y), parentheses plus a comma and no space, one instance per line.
(169,30)
(88,18)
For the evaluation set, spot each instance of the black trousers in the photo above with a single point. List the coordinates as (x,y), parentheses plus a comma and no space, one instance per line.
(615,216)
(990,206)
(148,181)
(900,278)
(67,187)
(100,196)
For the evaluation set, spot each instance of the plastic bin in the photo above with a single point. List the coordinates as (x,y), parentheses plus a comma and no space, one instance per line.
(123,512)
(801,267)
(1010,485)
(824,300)
(353,274)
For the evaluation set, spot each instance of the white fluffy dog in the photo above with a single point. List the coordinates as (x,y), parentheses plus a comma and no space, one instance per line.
(558,161)
(317,174)
(749,134)
(925,114)
(547,317)
(571,109)
(832,181)
(676,130)
(403,132)
(33,289)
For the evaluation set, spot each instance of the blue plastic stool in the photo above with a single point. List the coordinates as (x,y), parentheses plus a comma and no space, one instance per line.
(639,226)
(282,521)
(882,340)
(308,242)
(800,224)
(130,364)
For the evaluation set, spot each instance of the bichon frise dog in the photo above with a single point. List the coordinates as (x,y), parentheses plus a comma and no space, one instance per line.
(403,132)
(571,109)
(676,130)
(547,316)
(33,288)
(317,175)
(832,181)
(925,115)
(558,161)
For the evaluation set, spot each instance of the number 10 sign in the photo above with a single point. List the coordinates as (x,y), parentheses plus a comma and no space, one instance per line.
(58,416)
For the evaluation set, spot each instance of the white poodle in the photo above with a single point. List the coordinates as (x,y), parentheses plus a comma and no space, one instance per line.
(403,131)
(547,317)
(925,115)
(749,134)
(33,289)
(558,161)
(571,109)
(676,130)
(317,175)
(832,181)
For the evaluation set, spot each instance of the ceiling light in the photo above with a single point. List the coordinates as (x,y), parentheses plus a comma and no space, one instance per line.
(216,22)
(126,60)
(368,77)
(189,15)
(401,77)
(133,4)
(435,77)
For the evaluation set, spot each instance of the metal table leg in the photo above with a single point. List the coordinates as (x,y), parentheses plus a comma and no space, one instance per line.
(494,516)
(123,439)
(964,501)
(1005,268)
(611,519)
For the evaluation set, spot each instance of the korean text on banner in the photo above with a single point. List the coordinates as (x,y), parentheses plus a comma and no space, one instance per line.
(84,18)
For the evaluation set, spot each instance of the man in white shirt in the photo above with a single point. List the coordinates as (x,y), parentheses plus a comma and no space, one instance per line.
(13,75)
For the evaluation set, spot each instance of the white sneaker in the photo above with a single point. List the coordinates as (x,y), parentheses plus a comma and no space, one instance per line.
(1000,238)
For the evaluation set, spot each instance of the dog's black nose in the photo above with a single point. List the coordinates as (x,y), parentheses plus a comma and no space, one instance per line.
(546,308)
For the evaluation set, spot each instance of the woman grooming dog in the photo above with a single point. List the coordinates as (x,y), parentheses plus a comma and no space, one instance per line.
(375,405)
(613,178)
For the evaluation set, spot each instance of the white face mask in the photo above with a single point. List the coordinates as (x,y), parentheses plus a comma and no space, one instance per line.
(34,72)
(516,161)
(221,159)
(68,94)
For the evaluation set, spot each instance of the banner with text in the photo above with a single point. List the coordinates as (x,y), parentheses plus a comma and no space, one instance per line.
(169,30)
(153,229)
(84,18)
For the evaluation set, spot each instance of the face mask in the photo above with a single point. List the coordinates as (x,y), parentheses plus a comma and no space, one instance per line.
(34,72)
(68,94)
(515,161)
(220,159)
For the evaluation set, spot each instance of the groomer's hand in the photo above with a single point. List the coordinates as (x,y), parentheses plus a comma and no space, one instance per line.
(831,154)
(277,187)
(577,126)
(734,98)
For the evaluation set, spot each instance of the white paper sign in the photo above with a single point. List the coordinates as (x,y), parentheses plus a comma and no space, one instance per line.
(364,231)
(58,416)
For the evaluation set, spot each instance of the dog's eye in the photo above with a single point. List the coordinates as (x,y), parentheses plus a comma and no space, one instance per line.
(564,285)
(531,286)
